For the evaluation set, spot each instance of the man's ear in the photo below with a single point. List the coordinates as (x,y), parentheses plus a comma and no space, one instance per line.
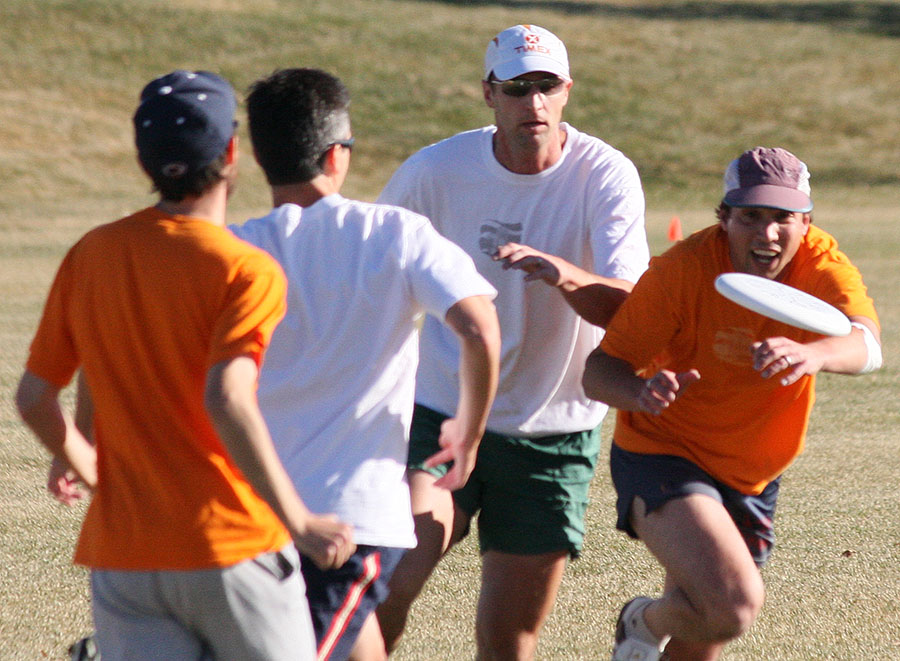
(488,93)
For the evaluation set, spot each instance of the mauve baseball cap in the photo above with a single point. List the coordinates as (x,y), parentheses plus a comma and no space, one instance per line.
(525,48)
(184,122)
(768,177)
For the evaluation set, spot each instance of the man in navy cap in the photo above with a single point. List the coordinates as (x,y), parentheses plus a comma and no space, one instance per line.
(168,315)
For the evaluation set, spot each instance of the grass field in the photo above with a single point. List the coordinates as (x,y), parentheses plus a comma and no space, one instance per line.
(681,87)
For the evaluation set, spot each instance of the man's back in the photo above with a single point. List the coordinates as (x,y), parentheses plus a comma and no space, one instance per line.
(149,303)
(337,387)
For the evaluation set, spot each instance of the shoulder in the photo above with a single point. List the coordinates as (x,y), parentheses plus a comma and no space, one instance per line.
(604,160)
(819,255)
(698,254)
(269,229)
(448,150)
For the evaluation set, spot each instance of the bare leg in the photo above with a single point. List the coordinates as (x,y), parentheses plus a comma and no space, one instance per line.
(369,645)
(714,590)
(681,650)
(517,596)
(439,525)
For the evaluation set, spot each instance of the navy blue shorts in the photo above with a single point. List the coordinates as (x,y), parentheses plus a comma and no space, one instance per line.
(341,599)
(658,478)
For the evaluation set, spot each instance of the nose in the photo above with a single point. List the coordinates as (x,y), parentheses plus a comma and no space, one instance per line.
(535,97)
(770,231)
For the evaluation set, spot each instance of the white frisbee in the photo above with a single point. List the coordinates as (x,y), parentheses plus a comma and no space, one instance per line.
(783,303)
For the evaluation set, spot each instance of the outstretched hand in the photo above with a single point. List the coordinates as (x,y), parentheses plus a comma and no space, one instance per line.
(663,389)
(327,541)
(536,264)
(458,448)
(779,355)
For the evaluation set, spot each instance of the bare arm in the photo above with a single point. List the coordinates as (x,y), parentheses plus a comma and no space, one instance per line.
(38,403)
(474,320)
(62,481)
(232,405)
(613,381)
(592,296)
(792,360)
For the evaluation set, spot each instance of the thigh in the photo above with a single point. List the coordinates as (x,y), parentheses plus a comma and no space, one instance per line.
(341,600)
(132,622)
(701,549)
(517,592)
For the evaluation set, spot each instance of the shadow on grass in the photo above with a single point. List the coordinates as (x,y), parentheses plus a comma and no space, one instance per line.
(875,17)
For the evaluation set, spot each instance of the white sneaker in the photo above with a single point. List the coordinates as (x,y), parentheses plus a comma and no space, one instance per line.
(629,647)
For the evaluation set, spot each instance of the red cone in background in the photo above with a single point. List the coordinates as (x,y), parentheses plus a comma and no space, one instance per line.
(675,233)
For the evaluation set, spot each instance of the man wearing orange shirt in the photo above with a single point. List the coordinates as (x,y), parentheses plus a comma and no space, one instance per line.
(714,402)
(188,534)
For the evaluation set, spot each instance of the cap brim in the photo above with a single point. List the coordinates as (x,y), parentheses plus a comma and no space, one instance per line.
(770,197)
(522,65)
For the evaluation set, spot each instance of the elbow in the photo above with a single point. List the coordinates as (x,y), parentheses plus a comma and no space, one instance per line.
(217,402)
(477,324)
(31,398)
(589,382)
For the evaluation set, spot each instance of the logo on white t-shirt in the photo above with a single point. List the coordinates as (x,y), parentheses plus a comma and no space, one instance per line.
(495,233)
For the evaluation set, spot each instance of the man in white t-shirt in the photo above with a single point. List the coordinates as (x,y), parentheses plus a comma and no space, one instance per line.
(533,194)
(339,379)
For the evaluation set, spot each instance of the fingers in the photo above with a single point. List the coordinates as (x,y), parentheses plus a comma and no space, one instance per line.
(453,480)
(440,457)
(63,483)
(780,356)
(664,388)
(66,491)
(328,542)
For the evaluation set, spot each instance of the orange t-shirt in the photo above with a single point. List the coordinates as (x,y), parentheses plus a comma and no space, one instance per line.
(738,427)
(146,305)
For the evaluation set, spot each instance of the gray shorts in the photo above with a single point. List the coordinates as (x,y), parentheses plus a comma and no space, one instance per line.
(255,610)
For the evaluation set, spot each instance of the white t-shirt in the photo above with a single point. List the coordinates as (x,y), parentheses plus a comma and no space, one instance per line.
(588,208)
(338,381)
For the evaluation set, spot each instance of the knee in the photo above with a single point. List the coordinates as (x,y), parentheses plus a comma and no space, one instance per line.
(739,611)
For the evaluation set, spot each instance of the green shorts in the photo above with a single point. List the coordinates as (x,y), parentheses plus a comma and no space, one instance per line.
(530,494)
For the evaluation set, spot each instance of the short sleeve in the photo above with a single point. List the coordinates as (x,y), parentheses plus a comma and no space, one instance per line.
(53,355)
(617,233)
(440,272)
(650,317)
(254,304)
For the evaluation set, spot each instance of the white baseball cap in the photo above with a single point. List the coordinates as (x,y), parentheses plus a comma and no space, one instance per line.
(524,48)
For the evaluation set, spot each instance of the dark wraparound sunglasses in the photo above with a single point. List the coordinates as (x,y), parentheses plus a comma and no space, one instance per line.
(521,87)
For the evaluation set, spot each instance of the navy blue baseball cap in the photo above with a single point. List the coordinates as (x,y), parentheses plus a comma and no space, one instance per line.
(184,122)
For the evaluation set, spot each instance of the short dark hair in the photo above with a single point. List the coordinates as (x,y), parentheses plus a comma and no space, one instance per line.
(192,184)
(724,210)
(295,114)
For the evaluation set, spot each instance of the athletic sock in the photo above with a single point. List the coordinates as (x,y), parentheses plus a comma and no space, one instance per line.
(637,627)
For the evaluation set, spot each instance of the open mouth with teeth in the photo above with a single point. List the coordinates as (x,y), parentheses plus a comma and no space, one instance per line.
(765,256)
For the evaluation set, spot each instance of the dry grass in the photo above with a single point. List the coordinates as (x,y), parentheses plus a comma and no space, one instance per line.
(681,87)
